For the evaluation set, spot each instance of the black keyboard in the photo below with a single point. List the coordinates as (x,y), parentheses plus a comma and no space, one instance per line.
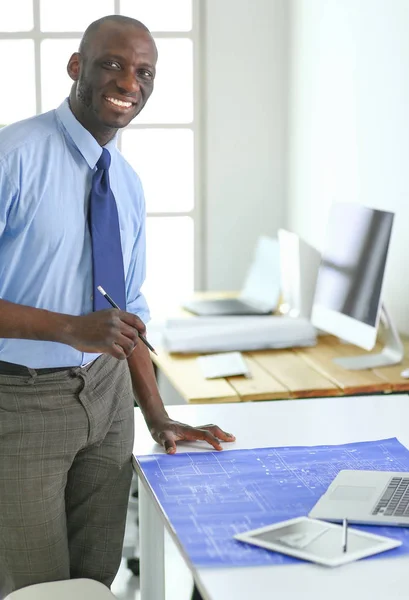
(394,502)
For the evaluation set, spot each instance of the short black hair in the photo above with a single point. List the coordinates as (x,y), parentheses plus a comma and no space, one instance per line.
(94,27)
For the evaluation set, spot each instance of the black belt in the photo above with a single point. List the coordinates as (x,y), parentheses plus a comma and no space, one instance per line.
(7,368)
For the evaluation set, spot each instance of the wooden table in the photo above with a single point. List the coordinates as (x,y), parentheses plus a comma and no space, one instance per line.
(281,374)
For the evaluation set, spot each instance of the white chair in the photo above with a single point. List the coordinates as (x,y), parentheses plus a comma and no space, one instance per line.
(78,589)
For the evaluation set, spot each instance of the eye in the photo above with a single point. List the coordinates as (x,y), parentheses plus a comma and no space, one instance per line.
(146,74)
(111,64)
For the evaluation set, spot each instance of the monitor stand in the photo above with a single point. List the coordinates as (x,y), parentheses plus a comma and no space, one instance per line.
(391,354)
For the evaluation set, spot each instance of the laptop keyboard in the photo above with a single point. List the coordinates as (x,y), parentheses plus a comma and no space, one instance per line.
(395,500)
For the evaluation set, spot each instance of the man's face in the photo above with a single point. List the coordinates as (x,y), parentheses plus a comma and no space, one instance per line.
(115,77)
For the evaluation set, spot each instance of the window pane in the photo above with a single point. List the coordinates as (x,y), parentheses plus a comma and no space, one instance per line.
(74,15)
(17,104)
(160,15)
(172,99)
(16,15)
(55,81)
(163,158)
(169,268)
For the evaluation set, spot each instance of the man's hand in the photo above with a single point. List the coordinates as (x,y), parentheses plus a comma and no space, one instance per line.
(109,331)
(167,432)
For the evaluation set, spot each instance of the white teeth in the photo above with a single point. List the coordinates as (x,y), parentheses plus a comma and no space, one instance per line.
(119,102)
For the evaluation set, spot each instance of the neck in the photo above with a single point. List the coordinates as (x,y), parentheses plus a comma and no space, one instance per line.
(102,134)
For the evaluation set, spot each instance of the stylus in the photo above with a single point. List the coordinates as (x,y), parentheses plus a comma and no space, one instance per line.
(345,535)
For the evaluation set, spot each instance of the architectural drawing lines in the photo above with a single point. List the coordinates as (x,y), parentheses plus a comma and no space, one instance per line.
(208,497)
(290,469)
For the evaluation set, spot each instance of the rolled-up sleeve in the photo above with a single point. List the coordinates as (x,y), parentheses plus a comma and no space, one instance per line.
(136,302)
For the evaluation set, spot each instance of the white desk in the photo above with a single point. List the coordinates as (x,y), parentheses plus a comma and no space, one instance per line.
(299,422)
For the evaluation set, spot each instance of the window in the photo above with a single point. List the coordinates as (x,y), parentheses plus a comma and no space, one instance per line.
(161,143)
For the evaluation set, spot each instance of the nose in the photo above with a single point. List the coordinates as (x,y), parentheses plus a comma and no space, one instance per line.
(128,83)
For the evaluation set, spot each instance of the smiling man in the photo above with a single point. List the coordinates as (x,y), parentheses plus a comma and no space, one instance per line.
(72,217)
(113,80)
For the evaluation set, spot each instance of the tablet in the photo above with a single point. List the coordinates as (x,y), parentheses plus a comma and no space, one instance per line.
(318,541)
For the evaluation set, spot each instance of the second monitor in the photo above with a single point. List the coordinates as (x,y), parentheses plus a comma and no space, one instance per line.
(348,296)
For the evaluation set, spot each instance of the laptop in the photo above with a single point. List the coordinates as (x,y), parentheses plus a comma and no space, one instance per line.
(366,497)
(261,290)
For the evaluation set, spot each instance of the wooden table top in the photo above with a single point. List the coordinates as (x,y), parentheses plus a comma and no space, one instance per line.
(279,374)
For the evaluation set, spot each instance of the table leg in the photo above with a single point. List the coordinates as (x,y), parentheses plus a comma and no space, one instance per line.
(152,554)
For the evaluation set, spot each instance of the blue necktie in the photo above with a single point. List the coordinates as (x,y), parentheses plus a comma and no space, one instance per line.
(107,261)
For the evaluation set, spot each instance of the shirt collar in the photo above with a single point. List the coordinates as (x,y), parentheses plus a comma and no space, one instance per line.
(85,142)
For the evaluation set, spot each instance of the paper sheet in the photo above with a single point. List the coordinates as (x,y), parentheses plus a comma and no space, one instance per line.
(226,364)
(211,496)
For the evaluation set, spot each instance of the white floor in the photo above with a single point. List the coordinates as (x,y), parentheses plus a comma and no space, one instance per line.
(178,581)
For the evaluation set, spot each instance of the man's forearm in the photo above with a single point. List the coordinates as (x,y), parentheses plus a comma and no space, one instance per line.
(144,384)
(28,323)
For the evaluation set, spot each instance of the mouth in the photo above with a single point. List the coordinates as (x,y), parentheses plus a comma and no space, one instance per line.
(120,105)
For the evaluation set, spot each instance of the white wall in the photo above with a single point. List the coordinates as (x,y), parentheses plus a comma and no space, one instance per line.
(349,121)
(245,60)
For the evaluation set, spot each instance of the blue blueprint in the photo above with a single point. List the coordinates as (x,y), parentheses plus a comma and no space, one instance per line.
(210,496)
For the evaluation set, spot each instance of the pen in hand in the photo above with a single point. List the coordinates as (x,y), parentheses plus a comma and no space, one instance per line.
(115,305)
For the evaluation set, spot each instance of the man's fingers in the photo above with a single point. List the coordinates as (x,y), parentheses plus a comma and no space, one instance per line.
(117,352)
(187,433)
(170,446)
(125,344)
(130,332)
(219,433)
(212,434)
(196,433)
(133,321)
(168,441)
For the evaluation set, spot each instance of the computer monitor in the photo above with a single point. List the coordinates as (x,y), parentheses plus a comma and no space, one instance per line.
(348,294)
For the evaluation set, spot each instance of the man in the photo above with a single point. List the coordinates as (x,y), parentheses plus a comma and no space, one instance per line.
(69,372)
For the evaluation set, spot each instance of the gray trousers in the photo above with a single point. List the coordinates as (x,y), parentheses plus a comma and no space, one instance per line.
(66,443)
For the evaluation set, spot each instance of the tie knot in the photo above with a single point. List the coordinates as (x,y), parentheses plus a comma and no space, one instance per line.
(104,160)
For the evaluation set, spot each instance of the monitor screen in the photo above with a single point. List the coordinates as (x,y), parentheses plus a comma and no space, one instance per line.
(351,272)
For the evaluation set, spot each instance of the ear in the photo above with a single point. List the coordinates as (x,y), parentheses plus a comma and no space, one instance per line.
(74,66)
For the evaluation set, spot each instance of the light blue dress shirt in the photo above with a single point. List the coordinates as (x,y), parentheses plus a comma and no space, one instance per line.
(46,167)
